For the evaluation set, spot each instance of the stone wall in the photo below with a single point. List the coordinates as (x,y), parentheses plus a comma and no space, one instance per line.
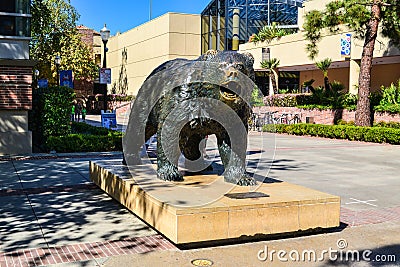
(326,116)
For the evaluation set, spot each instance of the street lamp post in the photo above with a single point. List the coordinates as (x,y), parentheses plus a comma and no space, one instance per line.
(105,34)
(57,61)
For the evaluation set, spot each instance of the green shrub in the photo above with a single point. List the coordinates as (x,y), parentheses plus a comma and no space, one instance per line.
(86,138)
(85,143)
(287,100)
(343,122)
(349,132)
(390,100)
(395,125)
(256,98)
(84,128)
(50,114)
(391,108)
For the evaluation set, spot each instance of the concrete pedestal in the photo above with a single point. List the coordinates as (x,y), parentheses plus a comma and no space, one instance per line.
(276,207)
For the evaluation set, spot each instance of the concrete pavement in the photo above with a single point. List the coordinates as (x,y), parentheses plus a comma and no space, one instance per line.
(49,207)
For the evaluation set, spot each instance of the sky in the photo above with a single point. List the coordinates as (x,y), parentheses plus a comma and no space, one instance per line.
(123,15)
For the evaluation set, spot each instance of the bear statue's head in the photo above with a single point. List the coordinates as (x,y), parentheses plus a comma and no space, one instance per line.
(232,64)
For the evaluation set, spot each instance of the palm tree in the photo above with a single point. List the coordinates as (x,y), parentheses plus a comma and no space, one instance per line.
(269,32)
(271,65)
(324,65)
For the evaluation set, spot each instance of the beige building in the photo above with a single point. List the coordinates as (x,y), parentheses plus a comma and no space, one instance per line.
(291,51)
(145,47)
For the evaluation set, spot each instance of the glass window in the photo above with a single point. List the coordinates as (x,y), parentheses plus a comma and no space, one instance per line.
(7,25)
(22,6)
(14,26)
(7,6)
(15,6)
(254,15)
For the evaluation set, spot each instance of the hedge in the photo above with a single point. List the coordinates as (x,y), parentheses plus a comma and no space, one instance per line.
(85,143)
(50,114)
(349,132)
(287,100)
(84,128)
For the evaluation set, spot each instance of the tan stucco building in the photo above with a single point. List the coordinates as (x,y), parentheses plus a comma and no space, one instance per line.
(291,51)
(170,36)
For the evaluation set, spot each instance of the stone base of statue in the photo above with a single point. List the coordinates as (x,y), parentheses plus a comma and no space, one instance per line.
(274,208)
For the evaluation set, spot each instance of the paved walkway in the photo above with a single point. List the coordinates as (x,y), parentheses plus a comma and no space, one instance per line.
(51,213)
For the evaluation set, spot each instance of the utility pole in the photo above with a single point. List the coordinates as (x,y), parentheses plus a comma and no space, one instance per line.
(150,8)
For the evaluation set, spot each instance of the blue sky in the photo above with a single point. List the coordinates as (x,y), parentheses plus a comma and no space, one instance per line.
(122,15)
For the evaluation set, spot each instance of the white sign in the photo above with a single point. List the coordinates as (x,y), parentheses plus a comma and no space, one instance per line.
(105,76)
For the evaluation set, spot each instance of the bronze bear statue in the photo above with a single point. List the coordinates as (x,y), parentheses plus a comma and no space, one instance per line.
(183,101)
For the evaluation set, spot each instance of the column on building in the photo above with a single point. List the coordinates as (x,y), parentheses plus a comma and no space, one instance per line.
(354,76)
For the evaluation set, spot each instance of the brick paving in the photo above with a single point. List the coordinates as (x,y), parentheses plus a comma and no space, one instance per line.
(143,244)
(371,216)
(84,251)
(47,157)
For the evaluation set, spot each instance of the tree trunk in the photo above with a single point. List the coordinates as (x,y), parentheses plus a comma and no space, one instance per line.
(326,83)
(363,112)
(274,79)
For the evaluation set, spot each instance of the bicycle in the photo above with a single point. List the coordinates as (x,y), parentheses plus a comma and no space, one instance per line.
(281,119)
(294,119)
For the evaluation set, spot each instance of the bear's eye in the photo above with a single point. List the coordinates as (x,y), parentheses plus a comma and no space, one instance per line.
(239,66)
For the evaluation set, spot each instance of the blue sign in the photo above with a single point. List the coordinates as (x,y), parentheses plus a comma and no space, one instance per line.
(345,45)
(66,78)
(108,119)
(43,83)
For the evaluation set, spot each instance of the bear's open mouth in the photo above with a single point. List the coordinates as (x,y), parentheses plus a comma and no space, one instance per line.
(230,90)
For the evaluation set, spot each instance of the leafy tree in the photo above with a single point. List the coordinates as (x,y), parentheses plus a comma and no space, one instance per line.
(54,33)
(364,17)
(324,65)
(270,66)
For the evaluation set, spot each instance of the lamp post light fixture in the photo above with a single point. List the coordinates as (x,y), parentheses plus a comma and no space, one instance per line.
(57,61)
(105,34)
(36,73)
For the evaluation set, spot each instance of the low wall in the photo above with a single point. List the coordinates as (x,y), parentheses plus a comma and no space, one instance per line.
(326,116)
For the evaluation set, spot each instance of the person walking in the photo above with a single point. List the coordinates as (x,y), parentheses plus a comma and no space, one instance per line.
(84,114)
(78,111)
(73,113)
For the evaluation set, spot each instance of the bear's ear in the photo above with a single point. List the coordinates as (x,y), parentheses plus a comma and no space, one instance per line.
(210,54)
(249,58)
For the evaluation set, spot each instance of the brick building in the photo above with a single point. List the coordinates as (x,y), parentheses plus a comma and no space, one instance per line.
(15,77)
(91,38)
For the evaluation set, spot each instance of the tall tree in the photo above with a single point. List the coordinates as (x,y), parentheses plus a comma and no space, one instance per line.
(364,17)
(54,33)
(271,66)
(324,65)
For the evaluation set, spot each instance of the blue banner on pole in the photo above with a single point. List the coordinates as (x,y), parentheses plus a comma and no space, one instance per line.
(66,78)
(345,45)
(43,83)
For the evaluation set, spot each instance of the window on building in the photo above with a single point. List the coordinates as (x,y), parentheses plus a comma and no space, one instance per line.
(7,6)
(15,6)
(14,26)
(217,19)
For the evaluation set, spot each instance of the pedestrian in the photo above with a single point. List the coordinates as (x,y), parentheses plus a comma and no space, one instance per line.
(84,114)
(78,111)
(73,113)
